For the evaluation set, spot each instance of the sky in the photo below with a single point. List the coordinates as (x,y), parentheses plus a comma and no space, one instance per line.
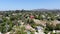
(29,4)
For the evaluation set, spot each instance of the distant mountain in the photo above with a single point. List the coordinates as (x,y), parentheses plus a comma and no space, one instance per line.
(46,10)
(39,9)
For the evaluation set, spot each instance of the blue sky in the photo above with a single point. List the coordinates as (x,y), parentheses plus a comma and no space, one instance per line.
(29,4)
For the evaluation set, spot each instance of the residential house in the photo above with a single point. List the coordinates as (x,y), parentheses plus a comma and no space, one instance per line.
(40,30)
(43,23)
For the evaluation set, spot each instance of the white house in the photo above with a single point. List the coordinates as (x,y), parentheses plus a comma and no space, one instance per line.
(43,23)
(8,18)
(40,30)
(43,16)
(8,33)
(14,14)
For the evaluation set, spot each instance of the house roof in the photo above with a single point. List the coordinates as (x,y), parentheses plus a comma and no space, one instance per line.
(40,22)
